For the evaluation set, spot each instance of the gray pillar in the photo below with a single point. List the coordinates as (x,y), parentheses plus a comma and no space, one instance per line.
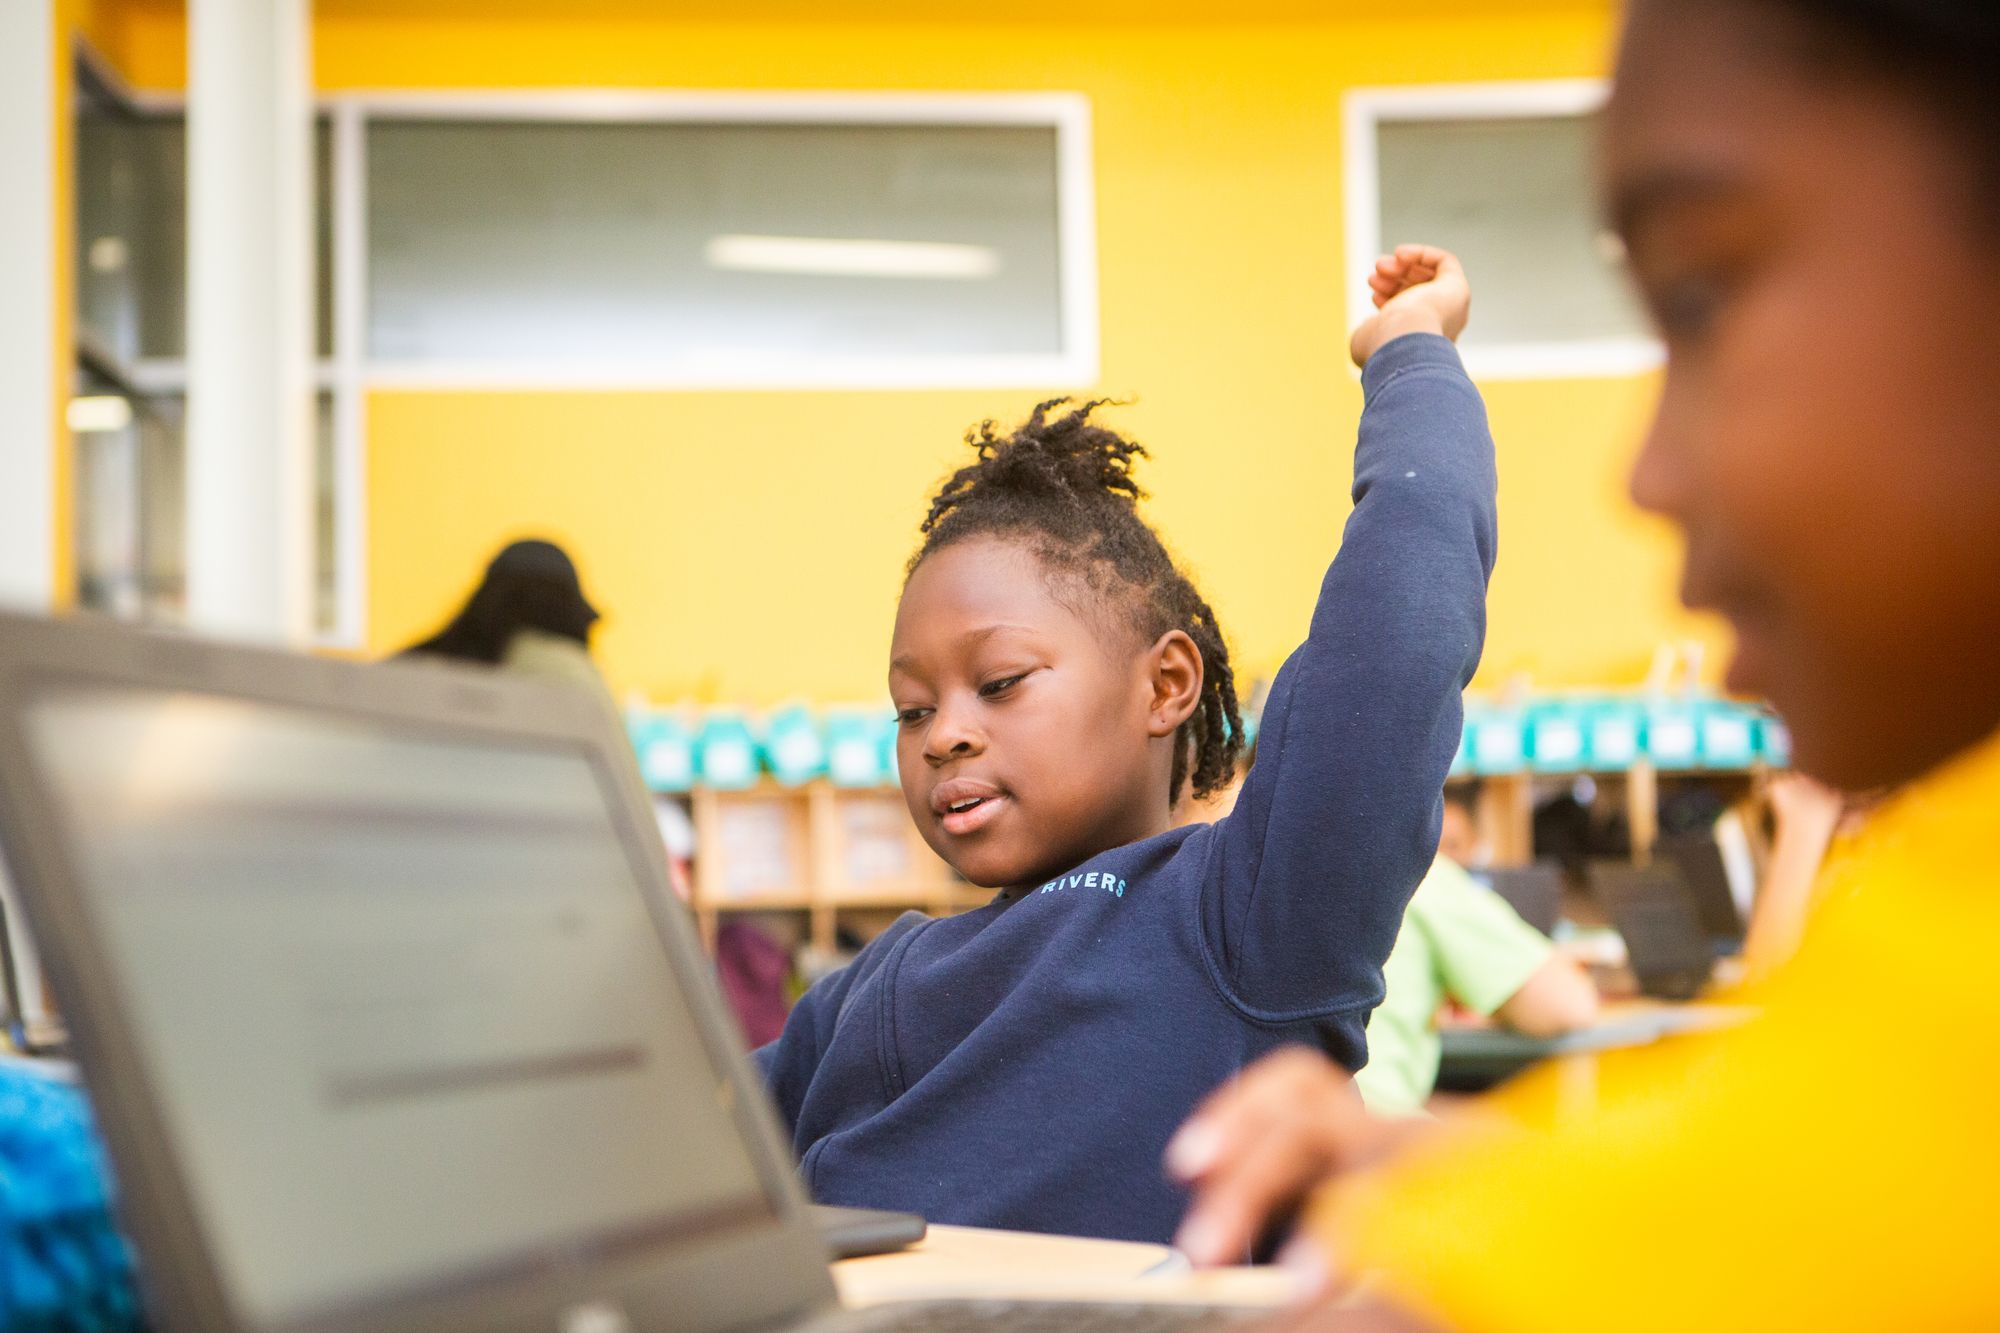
(250,326)
(30,430)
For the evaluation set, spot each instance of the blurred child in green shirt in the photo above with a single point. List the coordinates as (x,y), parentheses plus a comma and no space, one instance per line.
(1462,943)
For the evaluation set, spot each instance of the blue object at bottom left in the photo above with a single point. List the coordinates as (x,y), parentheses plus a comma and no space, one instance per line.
(63,1264)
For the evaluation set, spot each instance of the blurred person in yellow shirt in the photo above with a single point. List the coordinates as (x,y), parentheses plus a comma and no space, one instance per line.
(1809,191)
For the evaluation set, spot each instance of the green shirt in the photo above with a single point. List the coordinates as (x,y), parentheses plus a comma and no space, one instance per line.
(1460,941)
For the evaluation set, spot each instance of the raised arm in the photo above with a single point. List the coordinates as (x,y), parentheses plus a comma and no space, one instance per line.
(1338,820)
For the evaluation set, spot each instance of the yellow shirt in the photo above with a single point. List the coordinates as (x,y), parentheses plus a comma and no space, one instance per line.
(1834,1164)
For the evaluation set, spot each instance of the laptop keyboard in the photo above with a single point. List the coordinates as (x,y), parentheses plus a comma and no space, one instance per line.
(1043,1317)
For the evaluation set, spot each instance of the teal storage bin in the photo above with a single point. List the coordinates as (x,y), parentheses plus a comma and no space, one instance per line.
(1774,741)
(1615,727)
(726,752)
(854,756)
(1250,720)
(1498,739)
(1558,736)
(1728,736)
(665,750)
(1461,763)
(885,744)
(793,749)
(1673,733)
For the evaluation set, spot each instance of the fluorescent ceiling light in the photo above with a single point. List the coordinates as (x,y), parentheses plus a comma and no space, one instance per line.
(851,259)
(98,413)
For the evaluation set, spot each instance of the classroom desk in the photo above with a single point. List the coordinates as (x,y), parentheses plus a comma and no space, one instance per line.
(971,1262)
(1475,1058)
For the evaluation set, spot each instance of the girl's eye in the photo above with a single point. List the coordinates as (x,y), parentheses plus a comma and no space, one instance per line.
(911,716)
(995,688)
(1688,309)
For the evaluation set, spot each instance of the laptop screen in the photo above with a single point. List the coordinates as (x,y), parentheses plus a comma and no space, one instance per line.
(399,995)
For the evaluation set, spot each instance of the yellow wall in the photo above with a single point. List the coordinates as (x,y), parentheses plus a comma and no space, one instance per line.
(749,546)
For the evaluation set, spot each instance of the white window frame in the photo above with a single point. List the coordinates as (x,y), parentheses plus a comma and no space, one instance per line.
(168,376)
(1365,110)
(350,375)
(1068,114)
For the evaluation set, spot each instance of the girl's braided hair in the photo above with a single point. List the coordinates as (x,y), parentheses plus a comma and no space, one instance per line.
(1064,484)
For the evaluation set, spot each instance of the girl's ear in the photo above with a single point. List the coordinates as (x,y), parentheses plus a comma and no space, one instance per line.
(1174,669)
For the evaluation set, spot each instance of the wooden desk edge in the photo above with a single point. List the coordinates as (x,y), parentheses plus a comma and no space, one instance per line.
(973,1263)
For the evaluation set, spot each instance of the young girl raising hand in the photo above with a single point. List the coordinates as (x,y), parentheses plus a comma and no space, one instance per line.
(1059,683)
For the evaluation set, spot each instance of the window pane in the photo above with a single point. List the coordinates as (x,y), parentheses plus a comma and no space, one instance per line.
(107,482)
(131,507)
(326,518)
(322,169)
(1515,199)
(676,247)
(131,213)
(163,506)
(128,500)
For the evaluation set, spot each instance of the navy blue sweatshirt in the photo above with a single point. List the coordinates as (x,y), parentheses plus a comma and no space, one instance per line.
(1023,1065)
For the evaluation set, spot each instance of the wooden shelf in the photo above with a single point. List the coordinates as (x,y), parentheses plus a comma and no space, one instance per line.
(957,899)
(1506,804)
(763,902)
(817,849)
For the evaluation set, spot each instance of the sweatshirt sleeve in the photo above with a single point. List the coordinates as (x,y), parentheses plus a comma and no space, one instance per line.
(1338,818)
(788,1064)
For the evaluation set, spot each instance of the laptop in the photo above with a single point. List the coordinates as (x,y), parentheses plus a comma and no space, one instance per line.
(1534,892)
(388,1015)
(24,1012)
(1698,857)
(11,1018)
(1664,943)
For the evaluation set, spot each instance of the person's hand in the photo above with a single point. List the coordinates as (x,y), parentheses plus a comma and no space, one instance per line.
(1800,802)
(1418,289)
(1807,815)
(1262,1142)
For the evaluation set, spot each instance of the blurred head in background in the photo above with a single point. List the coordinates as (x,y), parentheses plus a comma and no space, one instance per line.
(1458,835)
(530,585)
(1810,194)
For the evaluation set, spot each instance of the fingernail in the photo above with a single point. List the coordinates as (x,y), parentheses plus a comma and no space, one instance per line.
(1193,1150)
(1199,1239)
(1304,1260)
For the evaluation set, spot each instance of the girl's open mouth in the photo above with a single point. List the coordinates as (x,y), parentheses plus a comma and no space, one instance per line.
(971,814)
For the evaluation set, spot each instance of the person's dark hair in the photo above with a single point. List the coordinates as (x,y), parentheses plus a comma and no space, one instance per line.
(1943,52)
(1063,485)
(1465,795)
(529,585)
